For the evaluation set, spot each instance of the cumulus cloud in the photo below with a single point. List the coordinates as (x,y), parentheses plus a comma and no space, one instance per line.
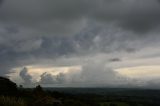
(98,74)
(27,78)
(47,78)
(91,74)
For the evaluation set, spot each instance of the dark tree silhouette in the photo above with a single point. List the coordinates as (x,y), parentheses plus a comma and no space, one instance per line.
(7,87)
(39,92)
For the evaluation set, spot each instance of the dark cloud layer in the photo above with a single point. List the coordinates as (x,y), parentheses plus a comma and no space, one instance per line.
(132,14)
(35,30)
(1,2)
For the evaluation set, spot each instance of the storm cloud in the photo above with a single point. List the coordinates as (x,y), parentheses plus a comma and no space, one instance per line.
(59,16)
(69,33)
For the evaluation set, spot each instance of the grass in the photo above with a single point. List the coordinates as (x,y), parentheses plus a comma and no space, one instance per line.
(11,101)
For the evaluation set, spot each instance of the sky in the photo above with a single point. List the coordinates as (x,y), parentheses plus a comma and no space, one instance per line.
(80,43)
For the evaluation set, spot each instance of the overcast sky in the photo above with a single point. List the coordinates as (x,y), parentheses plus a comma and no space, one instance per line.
(81,42)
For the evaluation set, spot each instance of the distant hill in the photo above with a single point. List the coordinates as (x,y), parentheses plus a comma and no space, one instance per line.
(7,87)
